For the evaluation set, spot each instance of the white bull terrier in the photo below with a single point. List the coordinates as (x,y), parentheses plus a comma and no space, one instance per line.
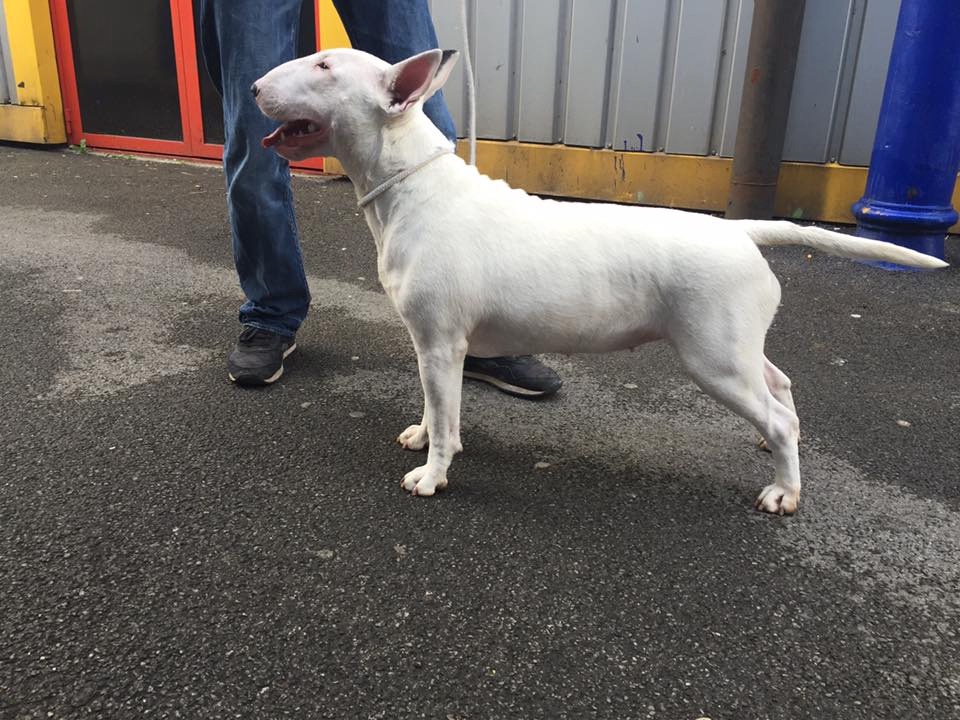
(472,265)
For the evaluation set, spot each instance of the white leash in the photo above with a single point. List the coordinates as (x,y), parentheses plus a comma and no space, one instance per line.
(471,121)
(471,85)
(399,177)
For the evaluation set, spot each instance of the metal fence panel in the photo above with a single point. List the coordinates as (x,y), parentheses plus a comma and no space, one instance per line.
(639,77)
(495,68)
(823,41)
(876,42)
(695,74)
(649,75)
(733,66)
(542,86)
(588,72)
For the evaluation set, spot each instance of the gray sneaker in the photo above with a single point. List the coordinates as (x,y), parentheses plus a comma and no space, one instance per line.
(258,357)
(523,376)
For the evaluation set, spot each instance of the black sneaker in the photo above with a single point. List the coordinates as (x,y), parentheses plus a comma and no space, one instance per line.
(522,376)
(258,357)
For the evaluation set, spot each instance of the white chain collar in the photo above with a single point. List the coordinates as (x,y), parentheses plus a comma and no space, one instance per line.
(399,177)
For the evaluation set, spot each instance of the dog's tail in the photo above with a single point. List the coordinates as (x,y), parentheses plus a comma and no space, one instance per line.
(781,232)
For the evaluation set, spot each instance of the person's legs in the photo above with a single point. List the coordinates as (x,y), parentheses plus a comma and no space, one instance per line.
(241,40)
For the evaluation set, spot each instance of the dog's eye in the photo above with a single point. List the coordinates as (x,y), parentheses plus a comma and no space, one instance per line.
(322,65)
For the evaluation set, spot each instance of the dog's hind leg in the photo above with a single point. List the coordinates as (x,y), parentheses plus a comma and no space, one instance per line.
(441,373)
(779,385)
(734,374)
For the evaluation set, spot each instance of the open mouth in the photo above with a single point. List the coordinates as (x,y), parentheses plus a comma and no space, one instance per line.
(294,134)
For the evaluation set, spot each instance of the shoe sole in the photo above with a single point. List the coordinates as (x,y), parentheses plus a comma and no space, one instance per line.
(254,380)
(507,387)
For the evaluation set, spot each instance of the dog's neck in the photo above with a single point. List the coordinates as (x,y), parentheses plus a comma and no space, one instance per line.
(401,145)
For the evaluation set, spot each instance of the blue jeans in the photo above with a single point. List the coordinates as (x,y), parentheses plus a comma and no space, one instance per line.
(241,40)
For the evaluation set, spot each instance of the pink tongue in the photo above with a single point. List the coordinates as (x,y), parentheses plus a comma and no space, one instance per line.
(272,139)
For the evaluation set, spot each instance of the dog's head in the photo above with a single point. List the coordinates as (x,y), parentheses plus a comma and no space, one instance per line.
(337,99)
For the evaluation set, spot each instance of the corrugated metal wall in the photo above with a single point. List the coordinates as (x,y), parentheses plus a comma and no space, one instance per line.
(665,75)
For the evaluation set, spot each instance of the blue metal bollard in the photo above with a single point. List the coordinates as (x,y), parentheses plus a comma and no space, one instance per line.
(916,153)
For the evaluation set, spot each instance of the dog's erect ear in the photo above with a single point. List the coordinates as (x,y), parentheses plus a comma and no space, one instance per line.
(417,78)
(447,61)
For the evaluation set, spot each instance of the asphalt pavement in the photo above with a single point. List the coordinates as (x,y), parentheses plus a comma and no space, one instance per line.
(174,546)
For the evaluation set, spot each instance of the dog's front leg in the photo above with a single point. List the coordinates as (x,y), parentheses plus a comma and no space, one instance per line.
(441,373)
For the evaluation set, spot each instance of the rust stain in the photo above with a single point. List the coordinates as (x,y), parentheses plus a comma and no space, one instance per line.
(755,76)
(618,167)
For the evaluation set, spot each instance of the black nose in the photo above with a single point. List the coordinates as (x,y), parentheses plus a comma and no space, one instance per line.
(254,89)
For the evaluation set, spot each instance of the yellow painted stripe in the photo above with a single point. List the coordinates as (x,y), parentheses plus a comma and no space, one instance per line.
(806,191)
(683,181)
(812,191)
(34,61)
(698,183)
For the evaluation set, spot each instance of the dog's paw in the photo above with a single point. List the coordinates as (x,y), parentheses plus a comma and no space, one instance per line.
(420,482)
(414,437)
(777,500)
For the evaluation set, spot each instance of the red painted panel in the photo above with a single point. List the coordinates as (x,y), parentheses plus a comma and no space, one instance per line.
(185,46)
